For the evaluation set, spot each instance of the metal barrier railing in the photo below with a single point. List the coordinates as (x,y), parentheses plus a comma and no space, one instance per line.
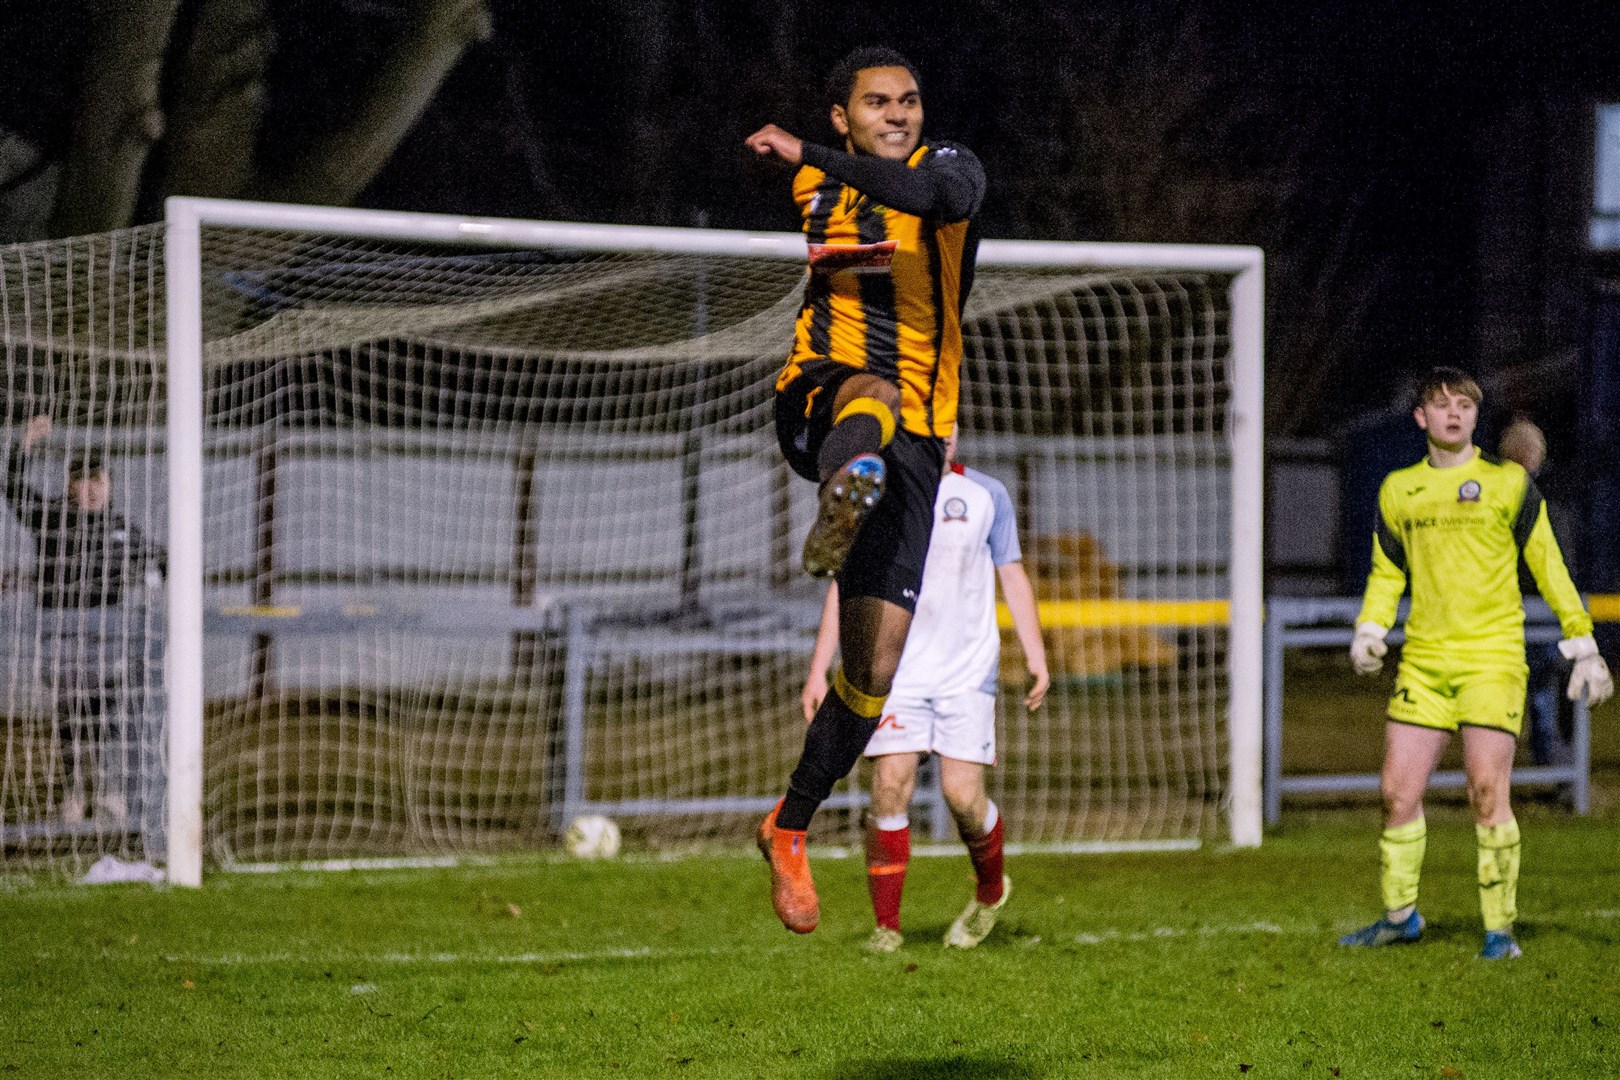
(1331,622)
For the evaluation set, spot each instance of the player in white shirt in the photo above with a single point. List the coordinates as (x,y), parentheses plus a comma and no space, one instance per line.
(943,700)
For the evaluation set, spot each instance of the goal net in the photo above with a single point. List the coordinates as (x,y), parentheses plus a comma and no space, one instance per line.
(494,531)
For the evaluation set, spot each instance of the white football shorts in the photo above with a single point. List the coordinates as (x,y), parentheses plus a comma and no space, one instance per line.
(961,727)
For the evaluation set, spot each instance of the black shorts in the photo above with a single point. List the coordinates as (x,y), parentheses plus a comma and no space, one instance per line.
(887,559)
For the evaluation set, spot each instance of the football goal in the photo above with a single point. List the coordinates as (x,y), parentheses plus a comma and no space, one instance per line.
(463,527)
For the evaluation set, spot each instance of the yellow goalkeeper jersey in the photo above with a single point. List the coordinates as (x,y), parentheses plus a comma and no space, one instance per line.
(1457,536)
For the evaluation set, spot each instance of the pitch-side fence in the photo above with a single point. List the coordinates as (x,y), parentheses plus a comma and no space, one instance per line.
(1297,623)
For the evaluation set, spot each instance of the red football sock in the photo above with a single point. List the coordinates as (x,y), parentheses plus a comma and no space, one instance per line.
(985,851)
(887,853)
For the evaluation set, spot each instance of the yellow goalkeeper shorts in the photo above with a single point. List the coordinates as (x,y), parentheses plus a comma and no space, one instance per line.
(1449,695)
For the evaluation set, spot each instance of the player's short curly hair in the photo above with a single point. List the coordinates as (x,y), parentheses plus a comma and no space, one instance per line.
(1441,379)
(841,79)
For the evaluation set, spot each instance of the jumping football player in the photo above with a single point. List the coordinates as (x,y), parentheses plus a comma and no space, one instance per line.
(943,700)
(866,399)
(1456,526)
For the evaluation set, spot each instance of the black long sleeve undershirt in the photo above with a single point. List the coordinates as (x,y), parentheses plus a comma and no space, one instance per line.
(947,189)
(84,558)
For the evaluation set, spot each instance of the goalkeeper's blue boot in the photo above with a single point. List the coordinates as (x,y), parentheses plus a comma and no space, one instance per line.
(1384,932)
(847,498)
(1499,945)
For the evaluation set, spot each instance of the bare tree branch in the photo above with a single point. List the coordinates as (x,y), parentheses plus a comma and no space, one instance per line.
(334,169)
(119,117)
(1154,136)
(218,97)
(28,181)
(29,163)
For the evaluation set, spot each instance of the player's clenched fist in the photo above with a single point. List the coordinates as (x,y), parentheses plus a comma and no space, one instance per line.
(1368,649)
(772,141)
(1590,678)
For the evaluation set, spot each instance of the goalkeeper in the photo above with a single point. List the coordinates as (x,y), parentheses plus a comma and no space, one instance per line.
(944,699)
(1455,527)
(866,399)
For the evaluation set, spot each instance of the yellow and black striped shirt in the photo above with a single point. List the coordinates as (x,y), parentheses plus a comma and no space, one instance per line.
(904,321)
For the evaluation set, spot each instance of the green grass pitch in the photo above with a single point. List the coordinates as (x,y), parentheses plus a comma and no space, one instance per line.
(1213,963)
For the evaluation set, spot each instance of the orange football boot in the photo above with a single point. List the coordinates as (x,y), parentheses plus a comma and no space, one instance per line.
(793,893)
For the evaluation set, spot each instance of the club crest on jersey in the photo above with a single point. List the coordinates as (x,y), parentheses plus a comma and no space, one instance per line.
(955,509)
(1469,492)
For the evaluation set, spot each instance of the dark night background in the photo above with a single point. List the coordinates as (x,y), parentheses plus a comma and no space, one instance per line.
(1420,175)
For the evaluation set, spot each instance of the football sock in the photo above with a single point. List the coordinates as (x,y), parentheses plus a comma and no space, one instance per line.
(888,850)
(1498,873)
(864,426)
(986,852)
(1401,849)
(840,731)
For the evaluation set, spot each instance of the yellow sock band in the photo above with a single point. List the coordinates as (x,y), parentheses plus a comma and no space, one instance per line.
(860,703)
(1401,853)
(1498,873)
(872,407)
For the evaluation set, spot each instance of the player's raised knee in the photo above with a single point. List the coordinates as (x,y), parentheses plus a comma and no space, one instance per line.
(878,411)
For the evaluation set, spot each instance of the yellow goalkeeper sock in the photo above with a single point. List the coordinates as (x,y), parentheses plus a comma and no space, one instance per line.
(1401,849)
(1498,873)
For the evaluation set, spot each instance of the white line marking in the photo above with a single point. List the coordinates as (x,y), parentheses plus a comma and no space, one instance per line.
(646,952)
(572,956)
(1159,933)
(434,862)
(440,862)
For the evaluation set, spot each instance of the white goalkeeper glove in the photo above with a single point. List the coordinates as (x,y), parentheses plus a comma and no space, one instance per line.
(1591,678)
(1368,649)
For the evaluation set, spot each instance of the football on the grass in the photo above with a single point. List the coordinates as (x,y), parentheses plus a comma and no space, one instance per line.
(592,836)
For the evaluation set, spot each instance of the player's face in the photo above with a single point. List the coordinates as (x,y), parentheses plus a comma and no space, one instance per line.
(90,492)
(884,114)
(1449,418)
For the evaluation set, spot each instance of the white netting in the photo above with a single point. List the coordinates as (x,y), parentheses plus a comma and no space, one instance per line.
(492,538)
(81,599)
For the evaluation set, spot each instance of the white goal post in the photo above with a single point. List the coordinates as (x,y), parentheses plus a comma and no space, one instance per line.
(422,535)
